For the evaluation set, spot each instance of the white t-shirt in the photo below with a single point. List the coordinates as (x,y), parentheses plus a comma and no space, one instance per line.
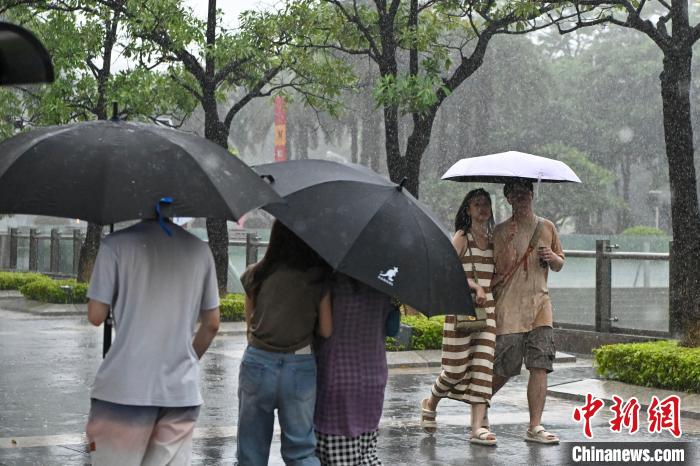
(157,286)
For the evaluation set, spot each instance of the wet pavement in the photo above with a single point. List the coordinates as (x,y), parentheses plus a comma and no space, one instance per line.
(48,364)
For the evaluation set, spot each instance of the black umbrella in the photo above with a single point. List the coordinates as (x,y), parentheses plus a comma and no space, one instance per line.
(110,171)
(371,229)
(23,59)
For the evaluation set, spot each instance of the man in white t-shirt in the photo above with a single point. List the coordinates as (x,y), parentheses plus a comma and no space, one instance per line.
(146,397)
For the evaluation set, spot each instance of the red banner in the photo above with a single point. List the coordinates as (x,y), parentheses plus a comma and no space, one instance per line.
(280,130)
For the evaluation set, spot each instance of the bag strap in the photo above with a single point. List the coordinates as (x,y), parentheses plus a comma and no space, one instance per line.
(530,247)
(471,257)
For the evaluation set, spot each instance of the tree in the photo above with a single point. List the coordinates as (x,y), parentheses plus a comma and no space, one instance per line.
(562,202)
(83,38)
(423,52)
(214,63)
(676,44)
(609,94)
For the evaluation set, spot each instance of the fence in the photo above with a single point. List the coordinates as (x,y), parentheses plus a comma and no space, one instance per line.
(569,301)
(644,308)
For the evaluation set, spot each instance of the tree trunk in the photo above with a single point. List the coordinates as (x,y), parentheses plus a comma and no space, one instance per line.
(88,252)
(394,162)
(93,235)
(684,282)
(217,233)
(353,140)
(370,145)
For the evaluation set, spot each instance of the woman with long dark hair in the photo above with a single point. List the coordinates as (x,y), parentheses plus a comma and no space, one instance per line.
(467,358)
(287,302)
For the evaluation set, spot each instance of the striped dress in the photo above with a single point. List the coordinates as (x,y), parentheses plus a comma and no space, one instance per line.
(467,361)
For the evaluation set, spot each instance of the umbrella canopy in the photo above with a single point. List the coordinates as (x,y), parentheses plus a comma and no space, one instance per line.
(372,230)
(502,167)
(111,171)
(23,59)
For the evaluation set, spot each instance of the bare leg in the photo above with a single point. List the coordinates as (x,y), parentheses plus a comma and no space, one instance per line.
(496,384)
(433,402)
(536,395)
(478,410)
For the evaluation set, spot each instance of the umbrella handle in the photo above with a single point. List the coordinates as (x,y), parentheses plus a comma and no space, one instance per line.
(163,200)
(403,182)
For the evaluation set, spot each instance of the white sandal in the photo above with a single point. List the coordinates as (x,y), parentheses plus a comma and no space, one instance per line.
(539,435)
(480,437)
(427,418)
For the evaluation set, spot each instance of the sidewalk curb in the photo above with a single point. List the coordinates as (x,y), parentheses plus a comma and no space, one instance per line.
(22,304)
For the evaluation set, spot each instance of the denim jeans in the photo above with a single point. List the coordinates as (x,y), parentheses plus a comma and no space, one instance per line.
(282,381)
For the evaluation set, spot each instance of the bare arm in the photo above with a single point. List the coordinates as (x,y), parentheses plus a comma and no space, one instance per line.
(555,261)
(459,241)
(325,319)
(208,328)
(97,312)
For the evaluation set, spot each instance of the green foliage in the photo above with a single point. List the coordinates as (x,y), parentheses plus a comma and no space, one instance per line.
(232,307)
(14,280)
(427,332)
(87,78)
(642,230)
(47,290)
(392,344)
(658,364)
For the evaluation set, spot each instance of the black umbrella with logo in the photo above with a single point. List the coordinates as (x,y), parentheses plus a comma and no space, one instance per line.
(372,230)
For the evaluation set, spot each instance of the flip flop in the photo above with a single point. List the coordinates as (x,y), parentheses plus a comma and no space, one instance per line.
(539,435)
(481,435)
(427,418)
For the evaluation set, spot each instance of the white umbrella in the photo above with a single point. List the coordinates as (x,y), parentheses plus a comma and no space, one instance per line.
(503,167)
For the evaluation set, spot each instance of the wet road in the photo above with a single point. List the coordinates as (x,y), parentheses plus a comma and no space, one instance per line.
(48,364)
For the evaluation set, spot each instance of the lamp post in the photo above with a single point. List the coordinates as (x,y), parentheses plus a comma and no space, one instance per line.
(655,199)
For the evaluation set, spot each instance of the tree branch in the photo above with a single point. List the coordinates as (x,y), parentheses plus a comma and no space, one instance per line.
(252,93)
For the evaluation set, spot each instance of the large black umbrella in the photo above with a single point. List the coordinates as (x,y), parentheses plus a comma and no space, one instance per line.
(23,59)
(371,229)
(110,171)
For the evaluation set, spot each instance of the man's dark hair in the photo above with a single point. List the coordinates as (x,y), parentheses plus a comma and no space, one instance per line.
(508,187)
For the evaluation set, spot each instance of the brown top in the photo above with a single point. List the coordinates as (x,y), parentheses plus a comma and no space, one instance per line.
(523,302)
(286,308)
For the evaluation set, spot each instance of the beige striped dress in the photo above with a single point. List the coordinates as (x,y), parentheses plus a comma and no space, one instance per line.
(467,361)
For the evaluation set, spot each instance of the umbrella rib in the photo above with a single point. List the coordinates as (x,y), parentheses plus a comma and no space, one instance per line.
(380,206)
(214,185)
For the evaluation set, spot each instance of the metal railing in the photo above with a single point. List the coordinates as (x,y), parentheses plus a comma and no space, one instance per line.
(604,319)
(13,237)
(604,255)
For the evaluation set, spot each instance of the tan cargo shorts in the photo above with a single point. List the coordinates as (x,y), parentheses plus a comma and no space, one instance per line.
(535,348)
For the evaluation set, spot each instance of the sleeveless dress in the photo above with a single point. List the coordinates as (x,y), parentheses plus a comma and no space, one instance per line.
(467,360)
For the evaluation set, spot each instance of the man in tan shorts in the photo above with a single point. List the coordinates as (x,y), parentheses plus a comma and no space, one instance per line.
(523,258)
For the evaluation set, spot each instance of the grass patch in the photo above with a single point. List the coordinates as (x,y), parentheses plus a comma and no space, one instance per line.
(659,364)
